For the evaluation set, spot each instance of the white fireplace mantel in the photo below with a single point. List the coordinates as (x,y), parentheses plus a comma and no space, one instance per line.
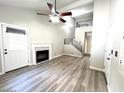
(36,47)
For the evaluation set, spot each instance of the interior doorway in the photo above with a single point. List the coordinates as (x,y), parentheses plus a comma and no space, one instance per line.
(87,43)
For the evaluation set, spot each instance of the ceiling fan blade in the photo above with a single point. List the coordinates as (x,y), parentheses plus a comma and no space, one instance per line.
(66,14)
(62,20)
(50,6)
(42,14)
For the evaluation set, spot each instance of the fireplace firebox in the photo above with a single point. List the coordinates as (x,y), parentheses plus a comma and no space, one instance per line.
(42,55)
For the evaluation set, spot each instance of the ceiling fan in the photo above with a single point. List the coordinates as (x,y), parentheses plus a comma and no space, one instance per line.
(55,16)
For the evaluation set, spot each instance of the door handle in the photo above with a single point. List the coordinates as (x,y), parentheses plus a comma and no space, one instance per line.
(5,53)
(5,49)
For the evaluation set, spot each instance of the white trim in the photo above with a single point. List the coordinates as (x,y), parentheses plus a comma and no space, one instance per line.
(2,51)
(94,68)
(57,56)
(29,47)
(109,90)
(1,73)
(72,55)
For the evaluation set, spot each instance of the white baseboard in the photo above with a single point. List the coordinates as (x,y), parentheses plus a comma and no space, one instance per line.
(1,73)
(57,56)
(72,55)
(94,68)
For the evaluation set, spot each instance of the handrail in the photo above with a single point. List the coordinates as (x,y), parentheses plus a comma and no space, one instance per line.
(77,45)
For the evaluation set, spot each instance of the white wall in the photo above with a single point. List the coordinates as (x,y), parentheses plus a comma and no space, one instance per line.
(100,26)
(80,34)
(69,27)
(72,51)
(41,31)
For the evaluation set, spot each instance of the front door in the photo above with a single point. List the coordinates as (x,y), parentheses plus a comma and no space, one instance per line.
(15,47)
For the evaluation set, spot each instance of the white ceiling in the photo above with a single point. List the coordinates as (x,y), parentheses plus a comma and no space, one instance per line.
(35,4)
(41,6)
(85,17)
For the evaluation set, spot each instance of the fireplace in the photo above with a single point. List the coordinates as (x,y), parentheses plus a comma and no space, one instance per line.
(41,53)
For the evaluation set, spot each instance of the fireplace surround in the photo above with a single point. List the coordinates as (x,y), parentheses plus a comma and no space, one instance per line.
(41,53)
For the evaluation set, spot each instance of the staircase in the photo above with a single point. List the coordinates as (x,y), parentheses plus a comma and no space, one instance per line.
(73,42)
(77,45)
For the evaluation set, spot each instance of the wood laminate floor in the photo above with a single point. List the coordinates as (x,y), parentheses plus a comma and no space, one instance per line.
(63,74)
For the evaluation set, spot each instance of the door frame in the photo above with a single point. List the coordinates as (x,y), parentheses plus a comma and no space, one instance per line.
(85,38)
(2,45)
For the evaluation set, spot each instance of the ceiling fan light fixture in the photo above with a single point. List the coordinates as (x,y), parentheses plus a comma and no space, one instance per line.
(54,19)
(55,16)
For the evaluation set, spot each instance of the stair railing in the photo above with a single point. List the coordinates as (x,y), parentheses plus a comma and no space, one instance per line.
(70,41)
(77,45)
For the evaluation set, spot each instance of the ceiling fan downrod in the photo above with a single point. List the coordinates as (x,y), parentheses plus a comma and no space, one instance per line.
(55,5)
(55,8)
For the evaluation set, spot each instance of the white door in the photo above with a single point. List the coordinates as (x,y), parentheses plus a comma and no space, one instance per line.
(15,47)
